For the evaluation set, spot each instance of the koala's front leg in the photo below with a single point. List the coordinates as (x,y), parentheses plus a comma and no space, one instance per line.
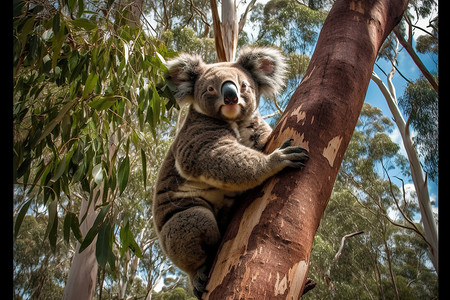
(228,165)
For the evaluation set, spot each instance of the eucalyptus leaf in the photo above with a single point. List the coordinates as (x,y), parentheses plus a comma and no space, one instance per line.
(93,231)
(97,173)
(124,171)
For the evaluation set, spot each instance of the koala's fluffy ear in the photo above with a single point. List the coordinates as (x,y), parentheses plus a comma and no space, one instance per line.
(184,70)
(267,67)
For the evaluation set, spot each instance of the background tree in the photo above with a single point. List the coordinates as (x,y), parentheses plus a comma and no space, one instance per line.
(419,177)
(85,89)
(420,103)
(390,259)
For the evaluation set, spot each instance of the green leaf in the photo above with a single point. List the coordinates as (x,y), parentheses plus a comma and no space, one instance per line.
(71,222)
(90,84)
(58,40)
(66,227)
(124,171)
(103,251)
(144,167)
(84,23)
(76,228)
(93,231)
(102,103)
(56,23)
(52,226)
(57,119)
(97,173)
(80,8)
(59,170)
(51,216)
(20,216)
(127,240)
(24,167)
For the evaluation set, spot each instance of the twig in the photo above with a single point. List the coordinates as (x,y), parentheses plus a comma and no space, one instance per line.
(343,242)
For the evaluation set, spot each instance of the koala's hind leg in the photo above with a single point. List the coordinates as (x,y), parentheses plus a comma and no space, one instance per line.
(190,238)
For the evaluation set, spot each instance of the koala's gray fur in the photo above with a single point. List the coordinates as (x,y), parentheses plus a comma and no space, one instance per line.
(217,154)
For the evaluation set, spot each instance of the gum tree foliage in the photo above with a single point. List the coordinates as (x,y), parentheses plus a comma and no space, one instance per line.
(420,103)
(89,104)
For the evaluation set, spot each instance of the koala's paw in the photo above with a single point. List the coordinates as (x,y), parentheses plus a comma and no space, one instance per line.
(199,281)
(292,156)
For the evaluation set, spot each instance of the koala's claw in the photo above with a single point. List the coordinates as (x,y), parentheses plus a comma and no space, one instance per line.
(199,281)
(287,143)
(293,156)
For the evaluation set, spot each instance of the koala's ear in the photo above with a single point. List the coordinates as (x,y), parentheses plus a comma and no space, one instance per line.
(267,67)
(184,70)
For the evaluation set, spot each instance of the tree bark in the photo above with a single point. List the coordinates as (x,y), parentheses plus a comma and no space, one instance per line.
(266,249)
(230,28)
(217,26)
(226,32)
(83,270)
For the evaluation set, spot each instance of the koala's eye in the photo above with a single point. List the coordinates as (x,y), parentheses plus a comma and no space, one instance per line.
(210,89)
(243,86)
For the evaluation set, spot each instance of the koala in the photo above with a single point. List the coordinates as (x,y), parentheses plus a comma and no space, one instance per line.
(217,154)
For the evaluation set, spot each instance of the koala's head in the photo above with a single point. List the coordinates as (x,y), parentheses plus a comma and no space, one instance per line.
(228,91)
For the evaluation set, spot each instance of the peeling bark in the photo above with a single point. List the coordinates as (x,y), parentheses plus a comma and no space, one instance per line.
(266,249)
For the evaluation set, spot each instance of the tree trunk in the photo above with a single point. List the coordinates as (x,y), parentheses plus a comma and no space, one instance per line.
(266,249)
(230,28)
(226,32)
(420,183)
(82,278)
(83,271)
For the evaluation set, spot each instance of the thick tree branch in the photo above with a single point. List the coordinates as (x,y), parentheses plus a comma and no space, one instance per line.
(266,249)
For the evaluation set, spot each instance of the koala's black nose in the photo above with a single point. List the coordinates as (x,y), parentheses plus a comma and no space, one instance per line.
(229,93)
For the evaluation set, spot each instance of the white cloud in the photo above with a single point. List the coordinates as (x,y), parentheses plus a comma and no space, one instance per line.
(423,23)
(396,137)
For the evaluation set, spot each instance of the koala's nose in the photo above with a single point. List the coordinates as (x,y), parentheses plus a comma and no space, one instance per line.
(229,93)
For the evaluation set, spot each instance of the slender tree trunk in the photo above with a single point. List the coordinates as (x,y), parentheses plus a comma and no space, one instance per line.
(417,173)
(265,252)
(83,271)
(230,28)
(226,32)
(82,278)
(220,50)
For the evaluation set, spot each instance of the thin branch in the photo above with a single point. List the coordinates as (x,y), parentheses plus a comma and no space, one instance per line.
(203,17)
(280,111)
(271,115)
(414,227)
(416,59)
(345,237)
(244,16)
